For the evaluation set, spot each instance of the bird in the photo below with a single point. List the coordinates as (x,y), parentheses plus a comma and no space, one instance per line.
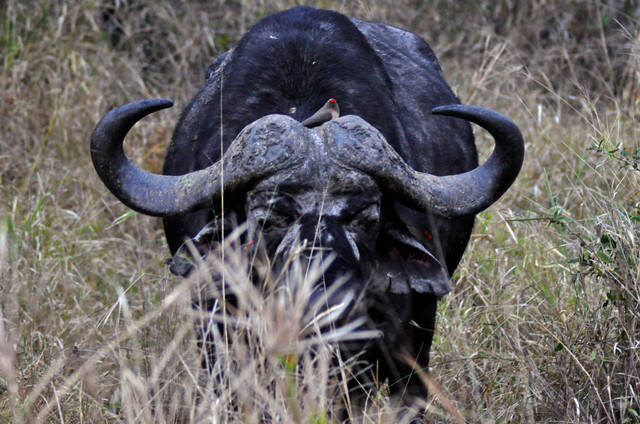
(329,111)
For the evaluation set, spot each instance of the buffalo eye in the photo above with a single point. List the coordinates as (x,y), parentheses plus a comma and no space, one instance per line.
(365,219)
(273,220)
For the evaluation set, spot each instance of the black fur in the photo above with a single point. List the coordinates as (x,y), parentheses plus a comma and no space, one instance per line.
(291,63)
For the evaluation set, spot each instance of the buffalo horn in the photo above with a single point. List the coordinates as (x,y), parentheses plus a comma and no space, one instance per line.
(358,145)
(474,191)
(164,195)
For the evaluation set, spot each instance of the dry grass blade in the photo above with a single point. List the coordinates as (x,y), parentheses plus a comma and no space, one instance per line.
(436,392)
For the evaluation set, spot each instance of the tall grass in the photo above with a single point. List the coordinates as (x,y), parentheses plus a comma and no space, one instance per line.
(544,321)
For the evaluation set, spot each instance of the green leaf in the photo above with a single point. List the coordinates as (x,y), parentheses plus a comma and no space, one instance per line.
(121,219)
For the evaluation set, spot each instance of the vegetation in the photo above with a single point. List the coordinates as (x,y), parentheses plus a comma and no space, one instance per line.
(544,321)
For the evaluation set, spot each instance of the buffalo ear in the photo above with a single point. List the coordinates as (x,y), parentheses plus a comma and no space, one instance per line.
(182,263)
(405,265)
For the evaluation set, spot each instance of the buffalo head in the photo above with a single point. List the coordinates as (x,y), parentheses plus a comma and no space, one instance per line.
(321,185)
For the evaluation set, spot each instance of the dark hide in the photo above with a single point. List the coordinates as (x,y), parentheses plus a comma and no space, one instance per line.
(290,63)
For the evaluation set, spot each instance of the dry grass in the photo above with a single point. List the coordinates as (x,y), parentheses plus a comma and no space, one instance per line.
(544,322)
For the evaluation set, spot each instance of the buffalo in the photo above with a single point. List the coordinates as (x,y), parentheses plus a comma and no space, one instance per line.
(389,189)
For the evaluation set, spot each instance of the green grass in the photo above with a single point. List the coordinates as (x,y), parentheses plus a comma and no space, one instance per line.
(543,324)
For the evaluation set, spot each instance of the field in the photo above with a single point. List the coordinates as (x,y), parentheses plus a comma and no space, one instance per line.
(544,321)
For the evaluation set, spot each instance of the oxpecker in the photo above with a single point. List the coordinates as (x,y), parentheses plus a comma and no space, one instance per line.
(329,111)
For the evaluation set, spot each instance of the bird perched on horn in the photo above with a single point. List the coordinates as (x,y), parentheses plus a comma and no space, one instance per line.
(329,111)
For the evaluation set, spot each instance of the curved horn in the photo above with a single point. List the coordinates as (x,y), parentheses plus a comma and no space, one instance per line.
(255,152)
(476,190)
(452,195)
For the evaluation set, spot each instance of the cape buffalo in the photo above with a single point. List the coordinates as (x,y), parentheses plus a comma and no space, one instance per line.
(389,189)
